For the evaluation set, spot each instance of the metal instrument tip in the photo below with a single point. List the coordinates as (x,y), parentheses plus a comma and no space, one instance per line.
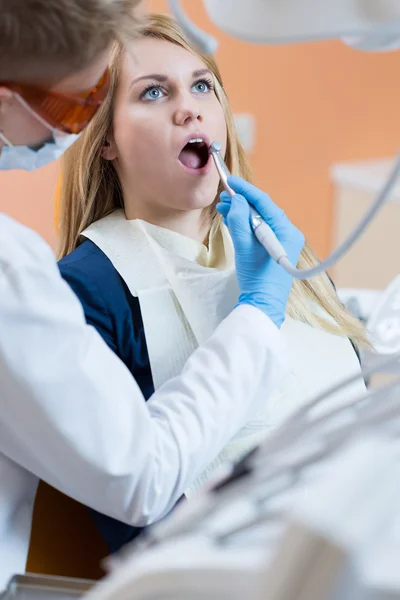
(215,147)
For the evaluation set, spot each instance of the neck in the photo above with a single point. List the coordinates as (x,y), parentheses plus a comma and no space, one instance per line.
(191,223)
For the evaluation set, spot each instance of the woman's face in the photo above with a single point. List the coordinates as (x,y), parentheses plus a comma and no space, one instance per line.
(165,100)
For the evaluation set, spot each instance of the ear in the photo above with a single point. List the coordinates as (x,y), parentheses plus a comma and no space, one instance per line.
(5,93)
(6,96)
(109,150)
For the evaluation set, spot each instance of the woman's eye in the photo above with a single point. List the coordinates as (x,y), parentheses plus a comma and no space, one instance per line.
(202,87)
(153,93)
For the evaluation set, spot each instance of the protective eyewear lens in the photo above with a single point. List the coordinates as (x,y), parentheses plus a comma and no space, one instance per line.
(67,113)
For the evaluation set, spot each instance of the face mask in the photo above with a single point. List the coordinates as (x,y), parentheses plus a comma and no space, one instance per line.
(23,157)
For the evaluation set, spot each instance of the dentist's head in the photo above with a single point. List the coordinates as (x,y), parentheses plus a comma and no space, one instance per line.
(53,72)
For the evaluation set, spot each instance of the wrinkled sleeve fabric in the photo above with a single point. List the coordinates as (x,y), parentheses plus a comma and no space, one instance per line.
(72,414)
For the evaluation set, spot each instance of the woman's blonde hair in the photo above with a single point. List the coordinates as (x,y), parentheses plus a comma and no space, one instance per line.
(91,190)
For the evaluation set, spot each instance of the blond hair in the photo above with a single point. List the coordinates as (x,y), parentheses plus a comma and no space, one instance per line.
(91,190)
(42,41)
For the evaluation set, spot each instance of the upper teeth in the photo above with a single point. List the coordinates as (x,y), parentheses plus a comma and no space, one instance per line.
(194,140)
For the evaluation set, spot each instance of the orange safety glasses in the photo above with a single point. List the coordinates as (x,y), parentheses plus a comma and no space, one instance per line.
(64,112)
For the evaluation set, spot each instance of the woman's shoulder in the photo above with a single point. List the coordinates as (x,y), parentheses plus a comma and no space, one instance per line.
(93,277)
(108,306)
(86,258)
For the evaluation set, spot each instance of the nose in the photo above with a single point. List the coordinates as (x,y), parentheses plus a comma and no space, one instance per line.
(187,109)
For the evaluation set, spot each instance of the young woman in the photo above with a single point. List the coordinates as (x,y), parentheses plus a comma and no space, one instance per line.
(145,250)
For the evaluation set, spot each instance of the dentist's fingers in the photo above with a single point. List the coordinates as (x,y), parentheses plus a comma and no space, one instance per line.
(258,199)
(223,208)
(225,197)
(239,217)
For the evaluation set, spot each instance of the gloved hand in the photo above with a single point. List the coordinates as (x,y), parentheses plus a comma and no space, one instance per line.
(262,282)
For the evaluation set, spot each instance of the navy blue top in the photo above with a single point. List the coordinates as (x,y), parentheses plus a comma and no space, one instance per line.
(115,313)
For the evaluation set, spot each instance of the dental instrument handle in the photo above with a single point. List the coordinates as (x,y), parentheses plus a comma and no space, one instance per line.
(267,237)
(261,229)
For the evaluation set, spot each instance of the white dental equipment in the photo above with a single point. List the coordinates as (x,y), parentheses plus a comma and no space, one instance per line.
(331,484)
(371,25)
(384,321)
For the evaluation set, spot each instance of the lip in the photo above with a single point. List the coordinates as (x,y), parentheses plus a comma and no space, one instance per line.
(186,140)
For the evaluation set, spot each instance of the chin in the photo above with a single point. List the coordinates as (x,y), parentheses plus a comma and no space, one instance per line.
(198,198)
(196,202)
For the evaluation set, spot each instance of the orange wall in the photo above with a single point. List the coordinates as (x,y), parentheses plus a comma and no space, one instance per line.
(314,104)
(29,197)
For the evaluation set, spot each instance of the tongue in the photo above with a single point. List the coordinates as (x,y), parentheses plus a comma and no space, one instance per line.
(190,158)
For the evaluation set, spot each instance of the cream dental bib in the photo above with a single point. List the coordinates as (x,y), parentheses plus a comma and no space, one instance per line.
(185,290)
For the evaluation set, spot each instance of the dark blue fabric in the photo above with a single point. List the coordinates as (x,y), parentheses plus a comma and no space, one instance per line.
(115,313)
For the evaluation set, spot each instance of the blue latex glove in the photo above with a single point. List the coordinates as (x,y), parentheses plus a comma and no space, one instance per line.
(262,282)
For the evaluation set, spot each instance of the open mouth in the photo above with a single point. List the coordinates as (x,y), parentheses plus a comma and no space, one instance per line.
(195,154)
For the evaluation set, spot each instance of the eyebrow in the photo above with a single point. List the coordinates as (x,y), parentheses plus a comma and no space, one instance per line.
(163,78)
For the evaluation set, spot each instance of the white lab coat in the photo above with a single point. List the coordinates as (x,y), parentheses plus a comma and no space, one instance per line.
(72,415)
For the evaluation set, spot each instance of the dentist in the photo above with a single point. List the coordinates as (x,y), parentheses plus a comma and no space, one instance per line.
(70,412)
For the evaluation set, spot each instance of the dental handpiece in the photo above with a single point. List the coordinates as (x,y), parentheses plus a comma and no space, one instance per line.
(261,229)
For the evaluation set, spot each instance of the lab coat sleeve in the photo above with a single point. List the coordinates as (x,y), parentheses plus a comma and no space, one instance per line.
(72,414)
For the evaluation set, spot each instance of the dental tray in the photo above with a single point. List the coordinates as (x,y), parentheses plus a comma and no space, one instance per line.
(40,587)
